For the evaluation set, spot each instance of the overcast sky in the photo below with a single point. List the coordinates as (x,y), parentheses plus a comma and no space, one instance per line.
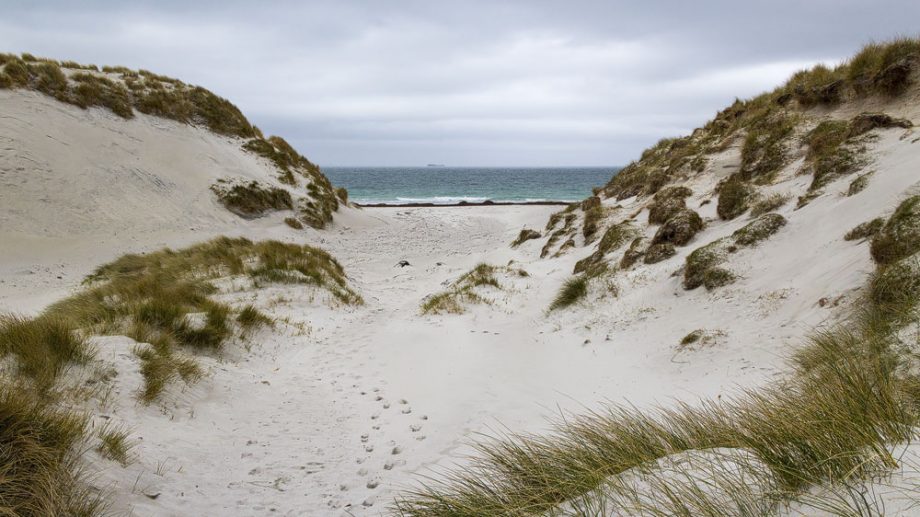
(458,82)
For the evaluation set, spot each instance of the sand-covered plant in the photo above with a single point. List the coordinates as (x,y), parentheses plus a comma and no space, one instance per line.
(471,288)
(667,202)
(759,229)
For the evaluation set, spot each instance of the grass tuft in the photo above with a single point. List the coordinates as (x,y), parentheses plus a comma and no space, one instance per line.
(573,290)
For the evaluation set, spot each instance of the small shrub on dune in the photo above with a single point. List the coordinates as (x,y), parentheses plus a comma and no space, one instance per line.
(900,236)
(734,196)
(573,290)
(614,237)
(633,253)
(342,194)
(702,267)
(859,184)
(679,229)
(865,230)
(667,202)
(895,288)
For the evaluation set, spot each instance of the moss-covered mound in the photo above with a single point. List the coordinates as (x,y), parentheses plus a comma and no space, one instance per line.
(679,229)
(734,198)
(667,202)
(702,266)
(759,229)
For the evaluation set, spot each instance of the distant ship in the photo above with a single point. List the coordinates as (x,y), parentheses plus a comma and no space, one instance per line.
(435,165)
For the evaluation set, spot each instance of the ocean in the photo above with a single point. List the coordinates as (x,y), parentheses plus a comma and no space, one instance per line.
(449,185)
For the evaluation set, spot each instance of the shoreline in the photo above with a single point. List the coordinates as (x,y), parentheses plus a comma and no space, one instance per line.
(464,203)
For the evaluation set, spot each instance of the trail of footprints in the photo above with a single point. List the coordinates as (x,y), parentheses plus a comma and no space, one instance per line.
(379,455)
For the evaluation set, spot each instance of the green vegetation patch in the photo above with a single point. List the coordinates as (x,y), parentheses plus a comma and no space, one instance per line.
(702,266)
(465,290)
(765,204)
(615,236)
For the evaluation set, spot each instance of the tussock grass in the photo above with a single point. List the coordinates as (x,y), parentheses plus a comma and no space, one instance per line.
(573,290)
(253,199)
(464,290)
(43,347)
(39,452)
(114,444)
(679,229)
(249,318)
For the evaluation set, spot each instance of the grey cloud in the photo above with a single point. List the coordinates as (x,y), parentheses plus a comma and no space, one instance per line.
(478,82)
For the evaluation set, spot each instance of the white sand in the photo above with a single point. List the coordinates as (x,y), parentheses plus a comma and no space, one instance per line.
(336,410)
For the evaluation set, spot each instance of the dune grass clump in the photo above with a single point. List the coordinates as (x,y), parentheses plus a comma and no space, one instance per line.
(165,299)
(900,236)
(114,445)
(40,447)
(765,149)
(525,235)
(859,184)
(249,318)
(43,347)
(573,290)
(96,90)
(590,225)
(865,230)
(253,199)
(615,236)
(464,289)
(658,252)
(759,229)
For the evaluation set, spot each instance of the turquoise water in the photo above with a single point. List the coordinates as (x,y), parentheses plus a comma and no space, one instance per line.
(446,185)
